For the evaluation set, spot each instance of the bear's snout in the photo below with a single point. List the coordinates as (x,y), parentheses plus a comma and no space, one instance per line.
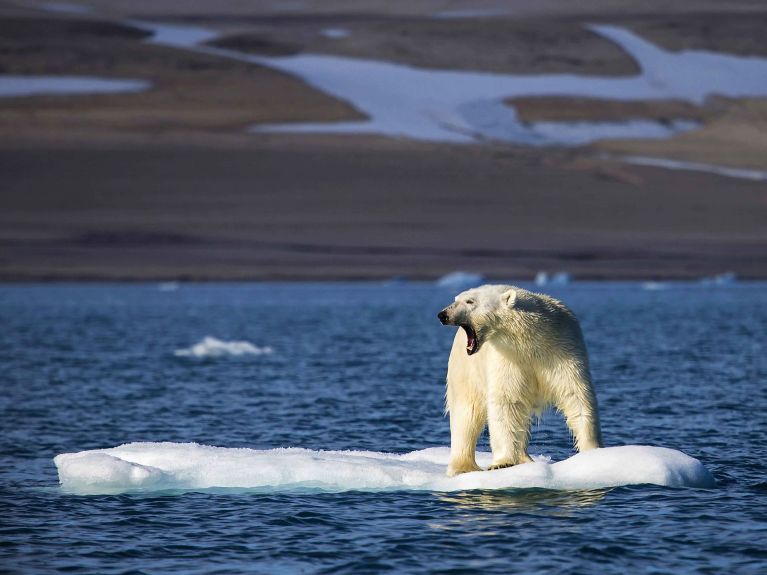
(443,317)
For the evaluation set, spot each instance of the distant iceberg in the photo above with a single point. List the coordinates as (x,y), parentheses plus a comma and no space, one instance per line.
(189,466)
(725,279)
(212,347)
(557,279)
(654,286)
(460,280)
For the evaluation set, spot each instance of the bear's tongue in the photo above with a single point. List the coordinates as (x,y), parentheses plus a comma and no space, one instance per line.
(471,339)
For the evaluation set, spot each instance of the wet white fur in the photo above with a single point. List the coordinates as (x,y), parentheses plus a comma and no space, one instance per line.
(531,356)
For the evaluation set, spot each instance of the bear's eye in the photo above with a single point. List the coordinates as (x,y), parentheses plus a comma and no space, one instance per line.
(470,301)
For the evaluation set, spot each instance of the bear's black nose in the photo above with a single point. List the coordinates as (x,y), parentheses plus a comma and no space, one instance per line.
(442,317)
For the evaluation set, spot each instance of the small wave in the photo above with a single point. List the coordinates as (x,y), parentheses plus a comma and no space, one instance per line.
(212,347)
(190,466)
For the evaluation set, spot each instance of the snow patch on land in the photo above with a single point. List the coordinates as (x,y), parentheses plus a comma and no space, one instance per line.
(13,86)
(212,347)
(468,106)
(190,466)
(742,173)
(334,33)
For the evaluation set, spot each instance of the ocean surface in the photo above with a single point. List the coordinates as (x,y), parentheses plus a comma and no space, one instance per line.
(362,367)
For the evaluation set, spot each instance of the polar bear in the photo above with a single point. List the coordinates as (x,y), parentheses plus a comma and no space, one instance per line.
(517,353)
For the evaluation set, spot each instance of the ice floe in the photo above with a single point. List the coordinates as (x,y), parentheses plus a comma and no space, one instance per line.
(212,347)
(190,466)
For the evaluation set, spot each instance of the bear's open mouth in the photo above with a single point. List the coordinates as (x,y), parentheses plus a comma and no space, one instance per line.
(471,339)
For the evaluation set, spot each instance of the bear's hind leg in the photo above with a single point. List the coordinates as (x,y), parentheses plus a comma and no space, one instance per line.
(576,400)
(509,418)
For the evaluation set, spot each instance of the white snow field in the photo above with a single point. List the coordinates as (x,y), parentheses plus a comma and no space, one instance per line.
(190,466)
(13,86)
(212,347)
(467,106)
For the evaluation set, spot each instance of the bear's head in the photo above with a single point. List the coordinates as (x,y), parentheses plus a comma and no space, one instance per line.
(479,311)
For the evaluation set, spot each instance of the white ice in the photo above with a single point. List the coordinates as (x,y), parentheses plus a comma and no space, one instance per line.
(460,280)
(12,86)
(212,347)
(467,106)
(725,279)
(557,279)
(190,466)
(167,286)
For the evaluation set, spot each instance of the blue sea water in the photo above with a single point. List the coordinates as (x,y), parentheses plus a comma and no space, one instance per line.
(362,366)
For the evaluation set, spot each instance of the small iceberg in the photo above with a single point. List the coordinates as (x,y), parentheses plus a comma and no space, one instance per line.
(557,279)
(460,280)
(654,286)
(725,279)
(146,467)
(212,347)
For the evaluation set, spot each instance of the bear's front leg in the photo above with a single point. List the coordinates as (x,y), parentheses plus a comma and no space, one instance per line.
(509,426)
(467,420)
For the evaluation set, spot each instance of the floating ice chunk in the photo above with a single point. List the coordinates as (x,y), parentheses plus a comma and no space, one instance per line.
(561,279)
(460,280)
(167,286)
(654,286)
(725,279)
(212,347)
(99,472)
(189,466)
(558,279)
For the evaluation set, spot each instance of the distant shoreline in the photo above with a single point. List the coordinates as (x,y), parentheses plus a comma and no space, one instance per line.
(316,212)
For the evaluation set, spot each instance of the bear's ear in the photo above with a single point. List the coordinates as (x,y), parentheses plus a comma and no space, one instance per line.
(509,298)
